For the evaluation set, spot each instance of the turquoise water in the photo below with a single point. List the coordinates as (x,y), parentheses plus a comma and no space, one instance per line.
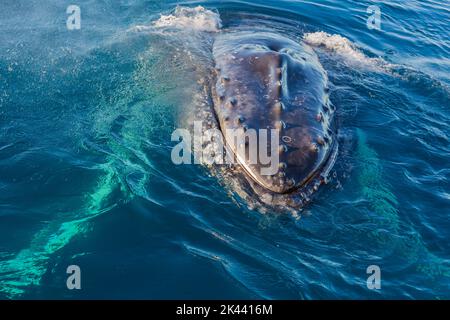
(86,176)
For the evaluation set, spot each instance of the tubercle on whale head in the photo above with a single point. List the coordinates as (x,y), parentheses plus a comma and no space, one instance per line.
(265,80)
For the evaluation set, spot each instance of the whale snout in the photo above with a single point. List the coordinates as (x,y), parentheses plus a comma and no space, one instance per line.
(274,87)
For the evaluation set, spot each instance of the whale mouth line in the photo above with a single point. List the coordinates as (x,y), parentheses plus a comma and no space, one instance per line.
(316,177)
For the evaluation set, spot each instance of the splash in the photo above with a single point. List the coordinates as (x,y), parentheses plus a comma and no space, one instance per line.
(198,19)
(346,49)
(349,52)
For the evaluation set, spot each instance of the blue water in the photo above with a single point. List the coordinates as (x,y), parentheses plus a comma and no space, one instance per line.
(86,176)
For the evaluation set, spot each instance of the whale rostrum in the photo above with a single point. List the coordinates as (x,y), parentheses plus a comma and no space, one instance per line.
(266,81)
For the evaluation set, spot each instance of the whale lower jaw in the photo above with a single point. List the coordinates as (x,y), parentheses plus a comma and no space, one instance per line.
(298,197)
(267,81)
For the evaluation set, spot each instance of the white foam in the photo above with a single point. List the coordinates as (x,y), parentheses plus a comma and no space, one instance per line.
(345,48)
(335,43)
(198,19)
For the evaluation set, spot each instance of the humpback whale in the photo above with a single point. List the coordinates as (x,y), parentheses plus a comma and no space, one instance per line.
(264,80)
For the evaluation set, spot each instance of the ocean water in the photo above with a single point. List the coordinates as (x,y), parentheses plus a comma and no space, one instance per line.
(86,176)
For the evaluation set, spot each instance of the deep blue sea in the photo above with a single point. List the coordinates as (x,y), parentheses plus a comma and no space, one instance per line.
(86,176)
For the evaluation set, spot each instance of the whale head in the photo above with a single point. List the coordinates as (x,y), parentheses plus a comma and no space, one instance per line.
(266,81)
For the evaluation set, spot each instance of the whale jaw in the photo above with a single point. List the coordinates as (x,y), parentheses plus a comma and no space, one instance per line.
(266,81)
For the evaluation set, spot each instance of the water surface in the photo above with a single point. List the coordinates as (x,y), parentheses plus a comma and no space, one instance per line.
(86,176)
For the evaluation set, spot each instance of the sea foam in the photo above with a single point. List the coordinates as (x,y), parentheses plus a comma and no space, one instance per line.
(343,47)
(198,18)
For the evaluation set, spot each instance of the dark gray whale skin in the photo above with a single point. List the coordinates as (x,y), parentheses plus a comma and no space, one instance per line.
(267,81)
